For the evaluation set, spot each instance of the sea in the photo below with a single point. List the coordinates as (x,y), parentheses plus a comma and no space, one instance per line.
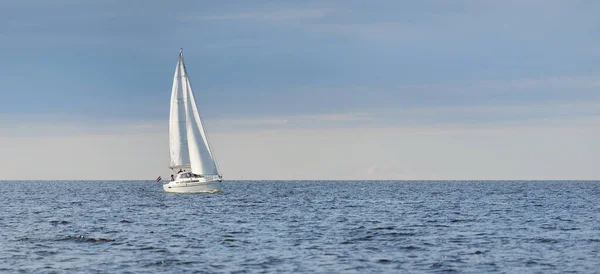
(301,227)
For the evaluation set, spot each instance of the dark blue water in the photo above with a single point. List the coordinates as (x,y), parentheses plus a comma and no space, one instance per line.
(301,226)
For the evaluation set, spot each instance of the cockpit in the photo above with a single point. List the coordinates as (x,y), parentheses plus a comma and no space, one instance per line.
(183,175)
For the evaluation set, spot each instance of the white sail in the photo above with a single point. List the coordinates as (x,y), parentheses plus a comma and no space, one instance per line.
(178,142)
(188,141)
(201,158)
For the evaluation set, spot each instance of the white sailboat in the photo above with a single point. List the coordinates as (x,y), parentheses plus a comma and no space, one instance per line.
(191,155)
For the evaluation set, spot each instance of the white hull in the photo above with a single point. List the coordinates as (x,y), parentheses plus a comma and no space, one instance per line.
(193,185)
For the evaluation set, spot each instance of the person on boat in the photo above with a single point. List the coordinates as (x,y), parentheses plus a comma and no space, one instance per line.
(172,178)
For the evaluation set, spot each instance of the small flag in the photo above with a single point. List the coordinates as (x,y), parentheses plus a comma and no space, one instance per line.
(158,179)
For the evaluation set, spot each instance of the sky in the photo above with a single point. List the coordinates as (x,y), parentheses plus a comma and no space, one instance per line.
(304,90)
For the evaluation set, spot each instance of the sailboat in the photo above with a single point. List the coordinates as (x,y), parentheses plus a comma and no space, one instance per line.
(190,153)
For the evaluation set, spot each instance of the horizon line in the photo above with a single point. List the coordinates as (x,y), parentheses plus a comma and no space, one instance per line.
(312,180)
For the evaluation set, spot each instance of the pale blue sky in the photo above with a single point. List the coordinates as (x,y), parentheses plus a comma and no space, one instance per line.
(105,67)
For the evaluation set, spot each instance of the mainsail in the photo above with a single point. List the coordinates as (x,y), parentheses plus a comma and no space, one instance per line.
(177,122)
(189,144)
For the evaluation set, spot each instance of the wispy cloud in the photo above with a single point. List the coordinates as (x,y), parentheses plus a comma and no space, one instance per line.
(288,121)
(338,117)
(516,84)
(373,31)
(439,118)
(256,122)
(63,125)
(276,15)
(560,82)
(515,91)
(465,22)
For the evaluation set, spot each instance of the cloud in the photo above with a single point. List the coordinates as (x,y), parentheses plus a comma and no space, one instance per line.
(535,152)
(439,117)
(559,82)
(465,26)
(271,16)
(464,94)
(31,125)
(338,117)
(291,121)
(424,119)
(565,148)
(374,31)
(566,83)
(255,122)
(84,156)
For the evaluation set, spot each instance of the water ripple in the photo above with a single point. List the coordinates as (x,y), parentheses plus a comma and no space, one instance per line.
(301,227)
